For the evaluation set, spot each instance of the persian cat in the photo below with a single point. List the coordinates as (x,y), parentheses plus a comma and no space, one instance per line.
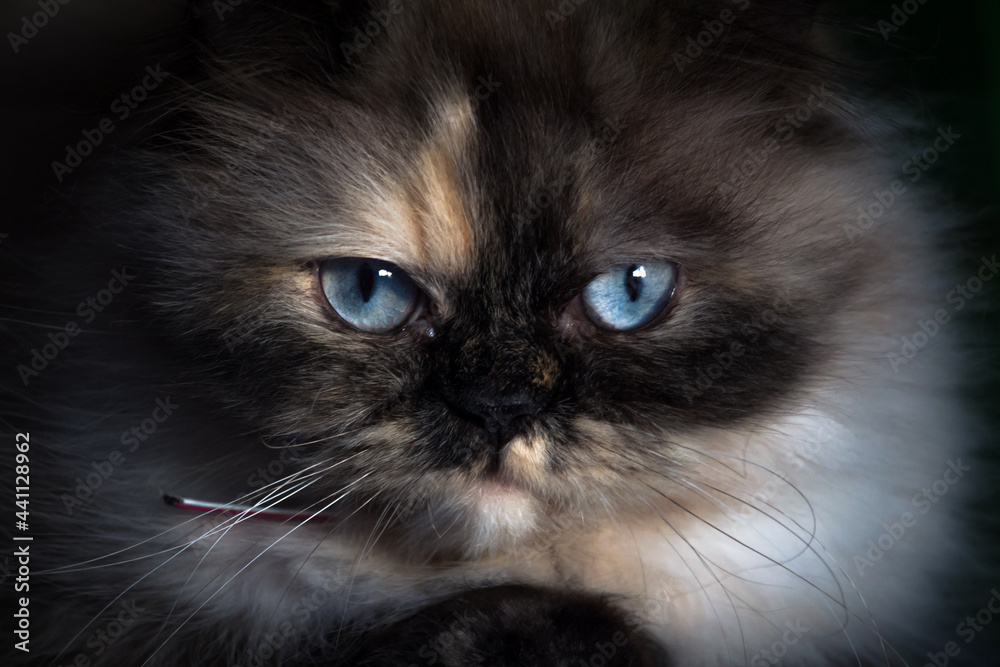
(494,333)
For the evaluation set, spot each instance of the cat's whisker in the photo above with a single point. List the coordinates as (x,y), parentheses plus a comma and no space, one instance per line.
(439,533)
(312,442)
(813,538)
(725,508)
(811,532)
(758,612)
(808,547)
(841,604)
(809,583)
(701,558)
(357,561)
(741,543)
(313,551)
(657,436)
(381,524)
(250,512)
(76,567)
(346,491)
(243,515)
(679,478)
(764,469)
(179,550)
(711,602)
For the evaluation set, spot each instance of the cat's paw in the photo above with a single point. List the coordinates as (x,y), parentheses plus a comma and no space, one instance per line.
(511,625)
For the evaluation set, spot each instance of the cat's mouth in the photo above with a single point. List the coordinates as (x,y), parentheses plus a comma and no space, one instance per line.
(498,506)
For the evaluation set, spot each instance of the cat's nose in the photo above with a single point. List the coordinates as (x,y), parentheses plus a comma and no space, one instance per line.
(501,415)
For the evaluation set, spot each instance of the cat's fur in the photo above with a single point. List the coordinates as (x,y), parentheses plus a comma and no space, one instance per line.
(699,490)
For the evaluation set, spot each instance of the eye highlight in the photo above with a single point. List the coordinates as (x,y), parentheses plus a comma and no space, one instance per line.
(630,295)
(369,294)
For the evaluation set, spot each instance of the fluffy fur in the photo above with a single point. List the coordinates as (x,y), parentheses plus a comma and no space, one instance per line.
(703,485)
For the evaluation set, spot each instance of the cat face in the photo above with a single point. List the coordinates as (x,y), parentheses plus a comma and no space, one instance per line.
(508,289)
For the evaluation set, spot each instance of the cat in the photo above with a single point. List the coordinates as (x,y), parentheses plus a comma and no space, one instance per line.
(469,333)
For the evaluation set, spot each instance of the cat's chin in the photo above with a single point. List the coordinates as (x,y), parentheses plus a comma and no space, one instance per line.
(486,517)
(497,517)
(500,511)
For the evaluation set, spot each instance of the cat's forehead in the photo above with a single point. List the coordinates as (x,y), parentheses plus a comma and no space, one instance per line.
(464,194)
(474,163)
(439,188)
(431,214)
(410,201)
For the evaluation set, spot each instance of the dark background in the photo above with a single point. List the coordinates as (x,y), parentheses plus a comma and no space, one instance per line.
(944,62)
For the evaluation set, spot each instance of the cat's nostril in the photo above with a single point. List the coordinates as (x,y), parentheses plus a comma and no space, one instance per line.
(502,416)
(504,412)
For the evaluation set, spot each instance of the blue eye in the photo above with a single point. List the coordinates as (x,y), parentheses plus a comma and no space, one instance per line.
(629,295)
(369,294)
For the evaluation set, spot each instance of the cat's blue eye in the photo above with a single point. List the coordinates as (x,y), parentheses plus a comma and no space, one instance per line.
(630,295)
(369,294)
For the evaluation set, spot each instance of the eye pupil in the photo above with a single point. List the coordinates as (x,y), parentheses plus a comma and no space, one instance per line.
(633,282)
(369,294)
(629,296)
(366,281)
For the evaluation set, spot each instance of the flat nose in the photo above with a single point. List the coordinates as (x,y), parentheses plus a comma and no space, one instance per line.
(501,415)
